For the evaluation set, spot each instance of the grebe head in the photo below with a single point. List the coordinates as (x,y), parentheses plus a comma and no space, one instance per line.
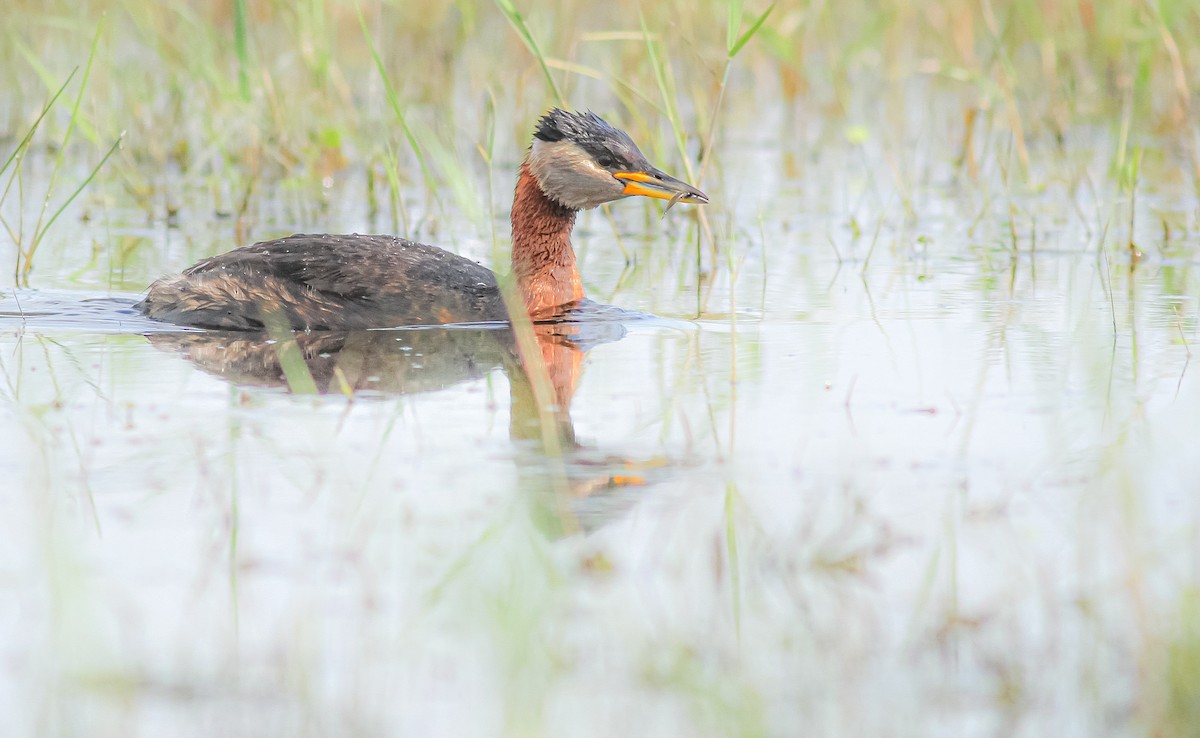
(582,162)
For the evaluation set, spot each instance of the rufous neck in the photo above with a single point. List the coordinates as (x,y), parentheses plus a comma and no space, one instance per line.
(542,258)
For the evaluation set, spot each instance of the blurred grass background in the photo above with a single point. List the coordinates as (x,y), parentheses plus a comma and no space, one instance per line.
(240,90)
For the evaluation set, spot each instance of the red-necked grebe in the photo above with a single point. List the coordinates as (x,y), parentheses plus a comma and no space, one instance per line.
(341,282)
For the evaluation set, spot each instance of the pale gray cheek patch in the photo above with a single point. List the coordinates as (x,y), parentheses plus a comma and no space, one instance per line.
(567,174)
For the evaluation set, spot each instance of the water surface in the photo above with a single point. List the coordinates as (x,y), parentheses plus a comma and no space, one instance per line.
(895,461)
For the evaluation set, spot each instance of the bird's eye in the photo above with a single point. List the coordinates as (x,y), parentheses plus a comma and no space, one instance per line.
(605,160)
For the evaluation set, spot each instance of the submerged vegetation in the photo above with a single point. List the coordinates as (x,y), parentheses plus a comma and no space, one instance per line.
(921,465)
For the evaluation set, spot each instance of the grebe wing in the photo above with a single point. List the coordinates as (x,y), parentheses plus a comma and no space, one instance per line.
(330,281)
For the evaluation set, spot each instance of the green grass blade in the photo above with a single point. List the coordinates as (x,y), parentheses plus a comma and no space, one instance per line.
(749,34)
(394,102)
(734,22)
(731,552)
(37,239)
(33,128)
(517,21)
(241,47)
(291,359)
(62,148)
(660,76)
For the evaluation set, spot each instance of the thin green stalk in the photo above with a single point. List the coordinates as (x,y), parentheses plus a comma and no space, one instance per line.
(537,374)
(16,155)
(487,151)
(241,48)
(731,552)
(391,163)
(291,360)
(33,128)
(39,231)
(62,148)
(734,44)
(394,102)
(660,76)
(26,266)
(517,21)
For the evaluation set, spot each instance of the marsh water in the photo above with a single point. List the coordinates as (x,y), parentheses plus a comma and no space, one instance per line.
(911,452)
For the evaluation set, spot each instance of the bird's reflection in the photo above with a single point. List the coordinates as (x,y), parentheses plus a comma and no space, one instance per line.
(543,371)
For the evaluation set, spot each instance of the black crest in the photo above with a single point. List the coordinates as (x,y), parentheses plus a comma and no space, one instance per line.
(590,132)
